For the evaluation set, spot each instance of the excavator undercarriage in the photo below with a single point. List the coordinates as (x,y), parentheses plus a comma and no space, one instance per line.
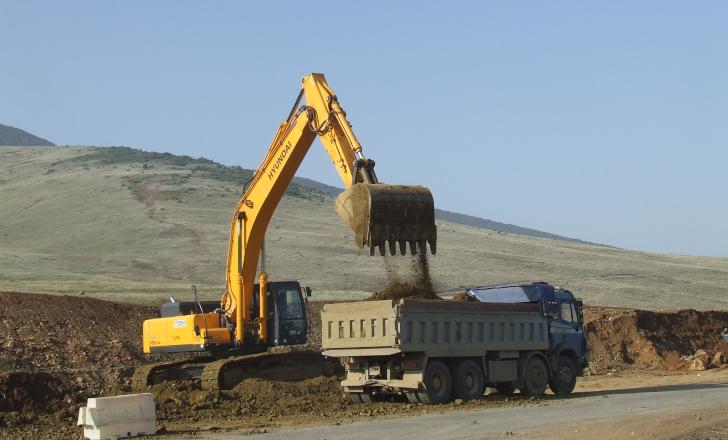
(216,373)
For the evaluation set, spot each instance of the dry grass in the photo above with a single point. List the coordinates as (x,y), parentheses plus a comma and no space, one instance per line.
(141,233)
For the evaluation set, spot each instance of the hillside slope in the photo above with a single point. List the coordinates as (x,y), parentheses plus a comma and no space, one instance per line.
(11,136)
(141,229)
(455,217)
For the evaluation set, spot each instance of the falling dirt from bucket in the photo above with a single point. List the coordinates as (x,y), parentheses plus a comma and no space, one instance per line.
(420,285)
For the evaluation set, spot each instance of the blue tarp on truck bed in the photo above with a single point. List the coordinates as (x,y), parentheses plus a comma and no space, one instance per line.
(507,293)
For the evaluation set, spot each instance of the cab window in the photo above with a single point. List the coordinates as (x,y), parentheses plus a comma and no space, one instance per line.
(568,313)
(293,309)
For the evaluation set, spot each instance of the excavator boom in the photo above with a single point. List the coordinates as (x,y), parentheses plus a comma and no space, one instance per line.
(253,317)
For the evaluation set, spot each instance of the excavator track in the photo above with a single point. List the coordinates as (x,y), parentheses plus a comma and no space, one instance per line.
(147,375)
(217,373)
(224,374)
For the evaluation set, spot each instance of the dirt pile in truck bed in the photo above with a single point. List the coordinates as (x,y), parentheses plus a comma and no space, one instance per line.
(623,338)
(398,290)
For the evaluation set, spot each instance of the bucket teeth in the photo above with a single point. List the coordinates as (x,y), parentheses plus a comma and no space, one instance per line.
(415,247)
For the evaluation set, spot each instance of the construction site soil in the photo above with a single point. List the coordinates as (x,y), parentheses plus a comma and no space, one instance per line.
(57,351)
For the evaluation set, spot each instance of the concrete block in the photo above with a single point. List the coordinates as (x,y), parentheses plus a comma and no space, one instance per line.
(117,417)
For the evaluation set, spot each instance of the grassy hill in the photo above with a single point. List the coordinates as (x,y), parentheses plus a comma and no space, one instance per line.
(454,217)
(19,138)
(115,223)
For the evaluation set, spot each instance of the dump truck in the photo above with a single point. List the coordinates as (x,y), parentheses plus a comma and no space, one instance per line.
(526,336)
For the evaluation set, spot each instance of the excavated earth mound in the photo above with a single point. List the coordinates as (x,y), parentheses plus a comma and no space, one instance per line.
(622,338)
(66,333)
(57,350)
(252,398)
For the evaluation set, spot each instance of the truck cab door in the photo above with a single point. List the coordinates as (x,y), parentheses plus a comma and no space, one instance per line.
(567,328)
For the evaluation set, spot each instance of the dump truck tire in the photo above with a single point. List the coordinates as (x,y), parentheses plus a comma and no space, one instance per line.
(469,380)
(438,384)
(564,379)
(535,377)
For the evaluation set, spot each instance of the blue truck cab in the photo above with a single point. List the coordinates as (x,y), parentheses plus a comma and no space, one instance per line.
(567,349)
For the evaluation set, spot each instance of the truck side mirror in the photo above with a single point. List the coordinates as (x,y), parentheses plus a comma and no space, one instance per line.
(308,292)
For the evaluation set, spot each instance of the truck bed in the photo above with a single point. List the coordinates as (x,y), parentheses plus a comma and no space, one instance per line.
(437,327)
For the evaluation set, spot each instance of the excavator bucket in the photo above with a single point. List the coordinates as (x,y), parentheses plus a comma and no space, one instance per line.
(381,215)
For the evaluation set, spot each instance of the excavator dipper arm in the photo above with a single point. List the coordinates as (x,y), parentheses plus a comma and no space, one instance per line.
(377,213)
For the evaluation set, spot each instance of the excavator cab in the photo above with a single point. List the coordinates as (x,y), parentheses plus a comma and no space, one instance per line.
(287,324)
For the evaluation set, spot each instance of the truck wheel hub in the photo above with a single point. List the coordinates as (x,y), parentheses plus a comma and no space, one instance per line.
(565,375)
(436,383)
(536,377)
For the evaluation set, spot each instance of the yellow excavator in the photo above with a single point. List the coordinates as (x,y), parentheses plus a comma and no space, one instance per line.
(252,317)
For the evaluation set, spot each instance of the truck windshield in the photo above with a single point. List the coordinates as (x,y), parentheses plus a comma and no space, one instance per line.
(506,294)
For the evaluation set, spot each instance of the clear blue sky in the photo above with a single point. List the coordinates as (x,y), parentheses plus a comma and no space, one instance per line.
(606,121)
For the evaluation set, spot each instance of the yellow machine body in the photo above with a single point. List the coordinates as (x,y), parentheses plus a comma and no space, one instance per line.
(195,332)
(379,214)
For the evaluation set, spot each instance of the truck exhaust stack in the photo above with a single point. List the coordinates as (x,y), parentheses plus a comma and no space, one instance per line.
(381,214)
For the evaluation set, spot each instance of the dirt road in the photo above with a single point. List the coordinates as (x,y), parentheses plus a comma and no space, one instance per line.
(662,407)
